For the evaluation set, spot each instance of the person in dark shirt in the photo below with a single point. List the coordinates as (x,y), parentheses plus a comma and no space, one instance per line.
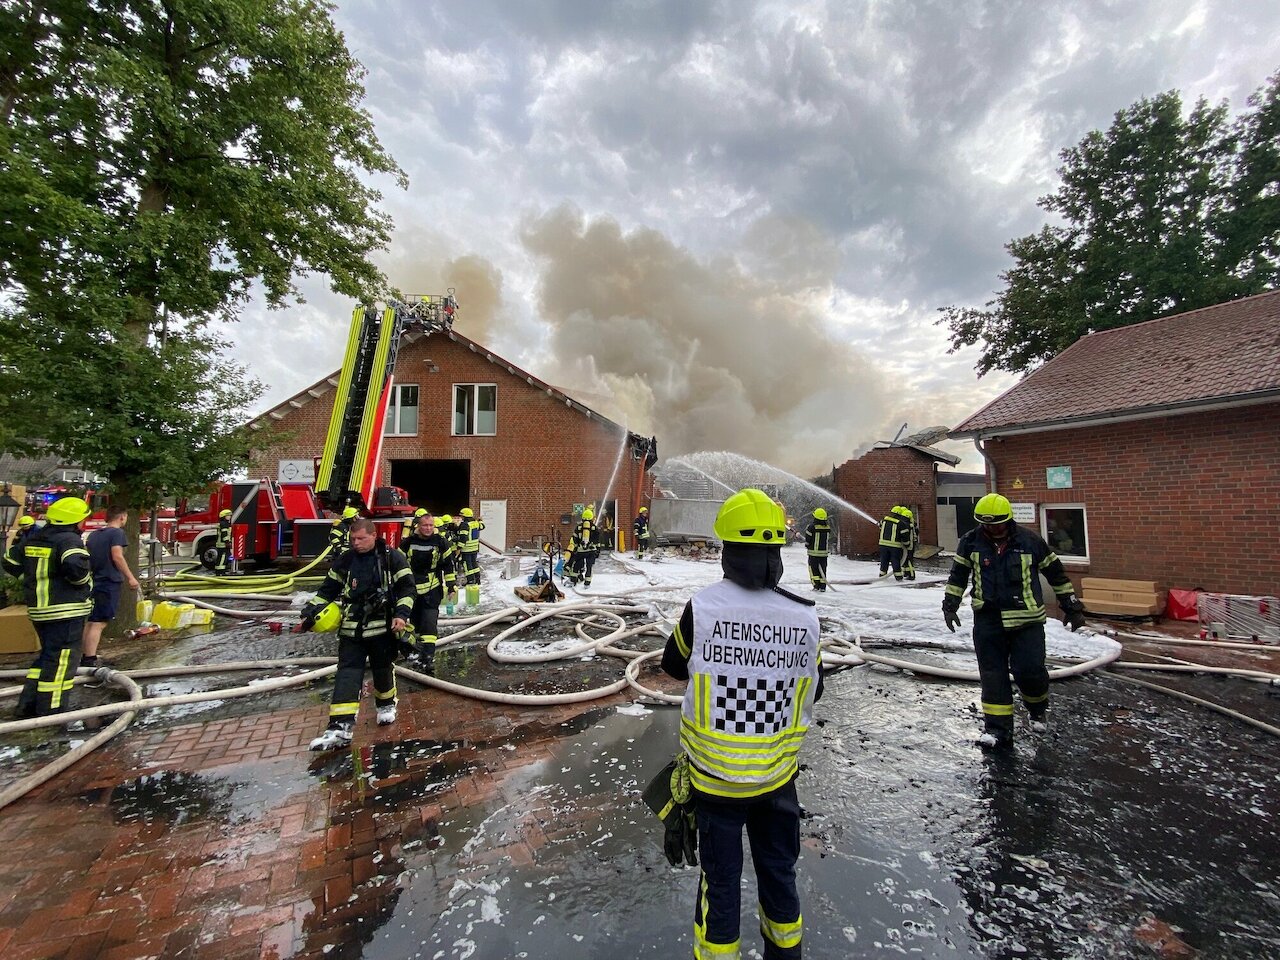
(110,571)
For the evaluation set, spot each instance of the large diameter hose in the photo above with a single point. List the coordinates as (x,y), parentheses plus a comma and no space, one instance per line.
(50,770)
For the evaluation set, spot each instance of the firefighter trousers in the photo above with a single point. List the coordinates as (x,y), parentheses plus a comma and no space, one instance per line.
(378,650)
(47,689)
(891,555)
(773,830)
(426,620)
(1001,652)
(818,572)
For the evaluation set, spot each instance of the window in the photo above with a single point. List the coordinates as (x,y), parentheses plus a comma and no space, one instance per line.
(1066,530)
(402,411)
(475,409)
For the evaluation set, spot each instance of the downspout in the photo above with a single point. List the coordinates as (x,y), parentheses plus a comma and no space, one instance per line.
(991,467)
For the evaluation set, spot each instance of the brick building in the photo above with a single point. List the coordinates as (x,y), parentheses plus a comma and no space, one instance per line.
(466,427)
(879,480)
(1150,452)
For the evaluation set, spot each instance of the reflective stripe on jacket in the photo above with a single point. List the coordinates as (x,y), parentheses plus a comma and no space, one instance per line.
(817,538)
(374,614)
(753,668)
(56,576)
(429,557)
(1006,574)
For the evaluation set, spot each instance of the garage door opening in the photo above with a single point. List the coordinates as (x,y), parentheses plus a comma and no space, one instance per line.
(442,486)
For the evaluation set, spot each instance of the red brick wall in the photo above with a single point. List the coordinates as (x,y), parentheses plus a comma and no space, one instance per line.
(1187,501)
(878,481)
(545,457)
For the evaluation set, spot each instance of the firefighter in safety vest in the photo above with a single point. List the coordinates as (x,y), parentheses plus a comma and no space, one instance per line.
(641,528)
(340,532)
(895,534)
(913,541)
(411,523)
(57,583)
(1005,561)
(469,537)
(749,650)
(582,549)
(817,541)
(373,585)
(223,543)
(449,530)
(26,523)
(430,555)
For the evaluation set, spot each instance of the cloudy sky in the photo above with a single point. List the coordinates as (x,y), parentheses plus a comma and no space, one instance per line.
(740,218)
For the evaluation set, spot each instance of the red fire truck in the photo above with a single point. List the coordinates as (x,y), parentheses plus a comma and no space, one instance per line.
(274,519)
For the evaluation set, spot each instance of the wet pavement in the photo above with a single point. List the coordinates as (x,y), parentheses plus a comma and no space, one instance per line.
(1140,826)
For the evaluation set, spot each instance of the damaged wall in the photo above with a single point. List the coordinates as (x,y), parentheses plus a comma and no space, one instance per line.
(878,481)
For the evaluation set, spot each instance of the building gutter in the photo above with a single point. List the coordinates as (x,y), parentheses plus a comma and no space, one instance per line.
(1120,416)
(991,464)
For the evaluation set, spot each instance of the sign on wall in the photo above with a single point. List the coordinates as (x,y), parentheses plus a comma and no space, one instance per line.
(1057,478)
(1024,512)
(296,471)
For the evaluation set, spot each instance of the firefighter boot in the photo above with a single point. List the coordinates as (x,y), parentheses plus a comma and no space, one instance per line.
(335,738)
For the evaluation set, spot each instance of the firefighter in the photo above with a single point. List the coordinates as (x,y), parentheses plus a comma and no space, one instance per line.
(749,650)
(1006,561)
(340,532)
(895,531)
(223,543)
(26,523)
(57,582)
(583,549)
(817,542)
(641,528)
(373,585)
(448,529)
(469,537)
(913,541)
(430,554)
(410,524)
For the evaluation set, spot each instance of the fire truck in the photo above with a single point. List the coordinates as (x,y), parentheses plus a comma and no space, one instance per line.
(272,520)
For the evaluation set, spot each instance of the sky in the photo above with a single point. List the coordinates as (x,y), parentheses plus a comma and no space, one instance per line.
(739,219)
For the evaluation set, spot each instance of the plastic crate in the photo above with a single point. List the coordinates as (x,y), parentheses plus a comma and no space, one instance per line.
(1241,617)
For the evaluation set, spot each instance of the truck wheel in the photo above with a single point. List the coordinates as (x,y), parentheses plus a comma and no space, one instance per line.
(206,553)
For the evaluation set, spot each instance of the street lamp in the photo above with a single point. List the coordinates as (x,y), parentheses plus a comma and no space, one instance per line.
(9,508)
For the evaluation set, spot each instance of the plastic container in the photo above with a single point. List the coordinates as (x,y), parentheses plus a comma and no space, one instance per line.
(201,617)
(473,594)
(145,609)
(186,614)
(166,615)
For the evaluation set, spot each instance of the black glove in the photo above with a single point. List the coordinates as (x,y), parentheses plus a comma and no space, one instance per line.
(1072,613)
(680,841)
(309,614)
(951,612)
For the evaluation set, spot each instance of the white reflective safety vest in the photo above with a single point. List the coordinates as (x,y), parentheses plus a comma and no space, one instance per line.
(753,670)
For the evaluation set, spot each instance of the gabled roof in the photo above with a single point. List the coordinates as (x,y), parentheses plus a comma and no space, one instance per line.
(1222,356)
(325,384)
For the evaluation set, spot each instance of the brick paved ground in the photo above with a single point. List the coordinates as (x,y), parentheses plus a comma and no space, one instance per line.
(229,839)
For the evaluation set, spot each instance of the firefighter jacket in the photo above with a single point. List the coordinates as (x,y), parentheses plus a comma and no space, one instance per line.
(470,535)
(373,588)
(1006,575)
(817,538)
(224,533)
(430,557)
(895,530)
(56,577)
(641,526)
(754,672)
(584,538)
(340,536)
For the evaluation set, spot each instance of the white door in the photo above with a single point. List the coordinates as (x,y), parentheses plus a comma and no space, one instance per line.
(494,515)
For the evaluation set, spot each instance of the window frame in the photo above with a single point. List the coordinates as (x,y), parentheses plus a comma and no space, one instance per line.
(474,389)
(1068,559)
(395,408)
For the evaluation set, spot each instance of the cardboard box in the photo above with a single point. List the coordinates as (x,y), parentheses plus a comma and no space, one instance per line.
(1127,609)
(17,635)
(1134,598)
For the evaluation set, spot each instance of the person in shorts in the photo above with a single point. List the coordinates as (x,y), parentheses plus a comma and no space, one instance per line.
(110,572)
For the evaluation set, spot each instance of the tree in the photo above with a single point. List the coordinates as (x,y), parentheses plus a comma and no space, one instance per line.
(1160,214)
(159,161)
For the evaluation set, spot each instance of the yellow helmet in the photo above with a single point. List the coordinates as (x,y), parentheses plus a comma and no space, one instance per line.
(349,513)
(644,509)
(67,511)
(749,516)
(420,512)
(26,520)
(224,513)
(466,512)
(820,514)
(588,514)
(328,619)
(446,519)
(993,508)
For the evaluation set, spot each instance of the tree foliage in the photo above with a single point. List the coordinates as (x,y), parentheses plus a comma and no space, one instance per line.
(1162,213)
(160,160)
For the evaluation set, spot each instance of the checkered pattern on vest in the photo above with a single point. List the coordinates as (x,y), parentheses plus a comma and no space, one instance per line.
(756,706)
